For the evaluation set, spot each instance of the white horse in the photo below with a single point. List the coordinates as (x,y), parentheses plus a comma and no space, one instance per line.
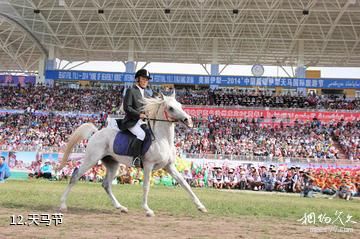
(161,154)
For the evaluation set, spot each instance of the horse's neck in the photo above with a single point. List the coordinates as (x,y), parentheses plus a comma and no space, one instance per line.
(164,130)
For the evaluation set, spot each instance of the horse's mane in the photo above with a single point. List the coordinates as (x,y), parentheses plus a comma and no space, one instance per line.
(151,105)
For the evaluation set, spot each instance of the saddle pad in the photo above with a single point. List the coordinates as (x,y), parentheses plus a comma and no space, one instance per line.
(123,141)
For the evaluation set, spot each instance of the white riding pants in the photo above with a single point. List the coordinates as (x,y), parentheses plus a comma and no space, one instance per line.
(137,130)
(111,123)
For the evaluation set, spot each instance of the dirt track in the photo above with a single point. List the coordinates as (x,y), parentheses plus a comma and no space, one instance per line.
(96,224)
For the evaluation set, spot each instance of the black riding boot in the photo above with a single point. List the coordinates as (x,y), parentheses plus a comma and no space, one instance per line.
(136,152)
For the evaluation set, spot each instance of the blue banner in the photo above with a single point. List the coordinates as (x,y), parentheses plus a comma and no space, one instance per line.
(208,80)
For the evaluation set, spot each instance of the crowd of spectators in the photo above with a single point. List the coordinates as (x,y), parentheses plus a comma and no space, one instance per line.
(94,100)
(28,130)
(212,135)
(311,140)
(259,98)
(42,98)
(342,182)
(348,136)
(48,169)
(331,181)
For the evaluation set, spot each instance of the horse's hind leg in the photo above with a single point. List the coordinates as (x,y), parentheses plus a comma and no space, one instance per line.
(111,170)
(89,162)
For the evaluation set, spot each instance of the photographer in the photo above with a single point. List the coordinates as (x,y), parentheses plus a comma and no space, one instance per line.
(308,184)
(46,170)
(4,170)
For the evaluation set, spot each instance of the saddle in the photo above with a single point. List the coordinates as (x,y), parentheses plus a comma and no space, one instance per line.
(124,139)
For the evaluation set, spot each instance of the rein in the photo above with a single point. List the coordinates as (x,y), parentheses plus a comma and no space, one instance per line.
(151,131)
(170,121)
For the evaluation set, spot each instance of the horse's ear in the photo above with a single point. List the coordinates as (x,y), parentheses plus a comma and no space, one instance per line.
(162,96)
(173,94)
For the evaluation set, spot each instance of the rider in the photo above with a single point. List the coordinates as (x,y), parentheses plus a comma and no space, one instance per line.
(134,117)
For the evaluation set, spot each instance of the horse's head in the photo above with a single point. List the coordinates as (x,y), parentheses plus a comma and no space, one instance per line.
(173,110)
(168,108)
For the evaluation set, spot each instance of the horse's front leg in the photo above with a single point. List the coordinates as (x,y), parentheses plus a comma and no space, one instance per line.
(146,187)
(179,178)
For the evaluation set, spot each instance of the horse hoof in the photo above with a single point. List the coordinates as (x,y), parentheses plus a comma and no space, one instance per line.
(150,214)
(124,210)
(63,209)
(202,209)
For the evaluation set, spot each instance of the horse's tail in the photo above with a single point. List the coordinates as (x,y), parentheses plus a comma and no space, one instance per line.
(82,132)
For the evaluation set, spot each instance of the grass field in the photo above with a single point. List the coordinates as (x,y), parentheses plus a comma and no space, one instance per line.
(44,196)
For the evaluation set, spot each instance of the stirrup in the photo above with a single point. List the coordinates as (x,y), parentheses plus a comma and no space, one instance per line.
(136,162)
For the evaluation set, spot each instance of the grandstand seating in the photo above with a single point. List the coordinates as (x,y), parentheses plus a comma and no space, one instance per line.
(108,100)
(40,125)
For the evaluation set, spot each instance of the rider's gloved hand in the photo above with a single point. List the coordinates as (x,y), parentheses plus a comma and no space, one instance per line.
(143,116)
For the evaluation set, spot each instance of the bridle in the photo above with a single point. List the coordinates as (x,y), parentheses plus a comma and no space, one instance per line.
(170,121)
(166,114)
(167,119)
